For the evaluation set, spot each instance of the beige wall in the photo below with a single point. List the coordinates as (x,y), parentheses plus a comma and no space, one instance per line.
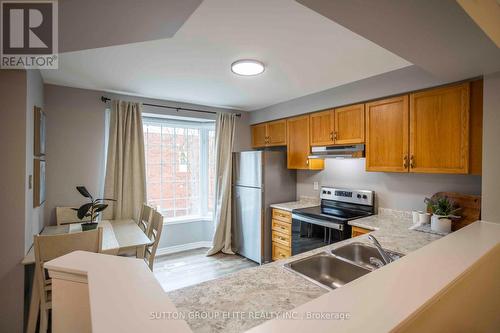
(12,203)
(392,190)
(75,141)
(491,148)
(34,97)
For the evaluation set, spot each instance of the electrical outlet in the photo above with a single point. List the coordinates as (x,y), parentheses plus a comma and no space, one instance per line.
(316,186)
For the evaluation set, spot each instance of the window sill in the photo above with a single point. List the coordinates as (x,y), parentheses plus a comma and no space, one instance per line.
(187,219)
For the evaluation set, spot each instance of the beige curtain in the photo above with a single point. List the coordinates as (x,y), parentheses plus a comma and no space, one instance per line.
(224,135)
(125,167)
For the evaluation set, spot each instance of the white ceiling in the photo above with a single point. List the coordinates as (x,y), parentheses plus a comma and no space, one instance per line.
(303,51)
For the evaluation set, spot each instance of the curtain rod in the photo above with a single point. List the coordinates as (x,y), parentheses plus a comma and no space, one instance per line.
(177,109)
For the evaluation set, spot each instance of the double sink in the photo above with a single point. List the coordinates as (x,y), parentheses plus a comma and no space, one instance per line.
(340,266)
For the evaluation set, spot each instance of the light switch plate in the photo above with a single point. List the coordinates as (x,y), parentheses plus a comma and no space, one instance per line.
(316,185)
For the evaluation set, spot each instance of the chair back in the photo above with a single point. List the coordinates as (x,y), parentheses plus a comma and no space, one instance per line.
(145,218)
(48,247)
(67,215)
(154,235)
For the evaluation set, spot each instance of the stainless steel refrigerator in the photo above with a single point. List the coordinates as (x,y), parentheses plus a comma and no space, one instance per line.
(260,178)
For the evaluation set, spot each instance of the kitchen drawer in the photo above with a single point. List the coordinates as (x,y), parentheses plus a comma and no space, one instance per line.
(282,215)
(280,252)
(358,231)
(281,238)
(282,227)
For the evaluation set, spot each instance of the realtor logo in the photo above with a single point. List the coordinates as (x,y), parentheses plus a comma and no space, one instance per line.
(29,34)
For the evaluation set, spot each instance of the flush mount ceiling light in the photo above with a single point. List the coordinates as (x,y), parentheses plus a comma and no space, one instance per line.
(247,67)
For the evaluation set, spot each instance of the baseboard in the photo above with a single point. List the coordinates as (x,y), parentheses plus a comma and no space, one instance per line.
(184,247)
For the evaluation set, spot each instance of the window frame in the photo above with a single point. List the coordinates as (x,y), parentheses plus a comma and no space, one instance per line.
(203,173)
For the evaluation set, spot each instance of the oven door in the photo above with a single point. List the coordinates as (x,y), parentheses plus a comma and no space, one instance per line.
(309,233)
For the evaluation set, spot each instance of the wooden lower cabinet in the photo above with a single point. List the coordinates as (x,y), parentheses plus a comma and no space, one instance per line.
(358,231)
(280,252)
(281,227)
(281,234)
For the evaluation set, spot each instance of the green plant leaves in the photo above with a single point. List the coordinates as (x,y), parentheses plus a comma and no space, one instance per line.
(83,210)
(442,206)
(83,191)
(100,207)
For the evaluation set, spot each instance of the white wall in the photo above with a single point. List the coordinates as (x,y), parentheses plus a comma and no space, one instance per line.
(392,190)
(491,148)
(75,151)
(391,83)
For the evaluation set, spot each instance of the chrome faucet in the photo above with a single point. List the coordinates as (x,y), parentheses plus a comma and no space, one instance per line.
(387,259)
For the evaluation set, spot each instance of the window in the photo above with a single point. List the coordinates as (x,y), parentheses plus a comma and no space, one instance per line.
(180,167)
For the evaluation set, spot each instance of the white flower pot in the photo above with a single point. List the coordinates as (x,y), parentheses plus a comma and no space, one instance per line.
(440,224)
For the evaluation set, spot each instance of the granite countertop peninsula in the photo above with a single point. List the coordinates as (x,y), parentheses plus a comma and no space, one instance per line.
(303,202)
(242,300)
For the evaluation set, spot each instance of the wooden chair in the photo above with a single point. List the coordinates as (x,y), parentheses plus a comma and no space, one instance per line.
(48,247)
(145,218)
(144,222)
(66,215)
(154,235)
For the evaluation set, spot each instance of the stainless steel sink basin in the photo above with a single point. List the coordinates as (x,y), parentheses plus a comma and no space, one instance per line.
(327,269)
(341,266)
(363,255)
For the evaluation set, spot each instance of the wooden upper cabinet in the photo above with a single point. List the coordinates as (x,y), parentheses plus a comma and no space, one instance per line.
(269,134)
(439,130)
(349,124)
(276,133)
(259,135)
(387,135)
(340,126)
(298,148)
(322,127)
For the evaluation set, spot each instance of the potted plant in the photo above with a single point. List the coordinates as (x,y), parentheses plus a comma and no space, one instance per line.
(443,210)
(91,209)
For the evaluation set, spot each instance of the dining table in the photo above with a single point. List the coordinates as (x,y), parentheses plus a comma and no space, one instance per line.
(119,236)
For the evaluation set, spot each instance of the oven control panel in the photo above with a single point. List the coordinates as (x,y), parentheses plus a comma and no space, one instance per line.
(362,197)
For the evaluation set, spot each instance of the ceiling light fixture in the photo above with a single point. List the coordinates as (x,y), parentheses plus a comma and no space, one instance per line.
(247,67)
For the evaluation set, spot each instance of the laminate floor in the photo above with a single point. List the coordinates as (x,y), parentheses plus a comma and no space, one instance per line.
(179,270)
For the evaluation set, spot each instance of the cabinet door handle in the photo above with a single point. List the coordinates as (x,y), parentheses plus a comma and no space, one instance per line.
(412,162)
(405,161)
(331,135)
(307,162)
(335,136)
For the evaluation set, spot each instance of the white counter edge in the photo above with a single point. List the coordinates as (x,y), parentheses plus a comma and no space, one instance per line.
(382,300)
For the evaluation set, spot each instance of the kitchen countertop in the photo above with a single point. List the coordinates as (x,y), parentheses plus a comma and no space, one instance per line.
(303,202)
(242,300)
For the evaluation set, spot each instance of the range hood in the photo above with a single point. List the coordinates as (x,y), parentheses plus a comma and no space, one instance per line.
(347,151)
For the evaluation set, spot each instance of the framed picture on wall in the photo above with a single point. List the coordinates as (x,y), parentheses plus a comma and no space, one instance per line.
(38,182)
(39,132)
